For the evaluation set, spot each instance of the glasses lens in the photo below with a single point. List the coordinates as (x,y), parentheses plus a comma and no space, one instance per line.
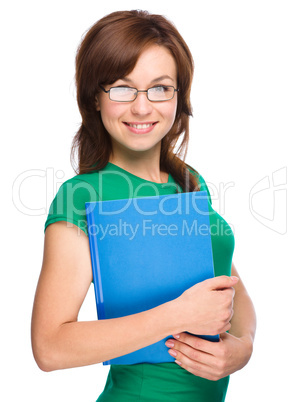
(122,94)
(161,93)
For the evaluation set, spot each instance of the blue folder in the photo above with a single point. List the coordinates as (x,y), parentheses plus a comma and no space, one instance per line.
(145,252)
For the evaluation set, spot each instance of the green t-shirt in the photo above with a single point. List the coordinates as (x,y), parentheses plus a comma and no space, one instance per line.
(144,382)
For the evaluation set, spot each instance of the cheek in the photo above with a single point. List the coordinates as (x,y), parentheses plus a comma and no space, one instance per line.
(111,113)
(170,112)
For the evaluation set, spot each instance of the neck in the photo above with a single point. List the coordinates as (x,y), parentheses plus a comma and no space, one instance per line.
(146,168)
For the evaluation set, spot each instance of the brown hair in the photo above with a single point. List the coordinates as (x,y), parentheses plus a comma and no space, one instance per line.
(101,59)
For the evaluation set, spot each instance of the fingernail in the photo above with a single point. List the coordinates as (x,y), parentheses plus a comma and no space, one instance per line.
(177,362)
(169,344)
(176,336)
(172,352)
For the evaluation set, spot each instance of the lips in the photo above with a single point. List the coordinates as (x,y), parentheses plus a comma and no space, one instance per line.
(140,128)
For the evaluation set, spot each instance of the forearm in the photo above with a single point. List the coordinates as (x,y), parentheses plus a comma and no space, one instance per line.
(77,344)
(243,323)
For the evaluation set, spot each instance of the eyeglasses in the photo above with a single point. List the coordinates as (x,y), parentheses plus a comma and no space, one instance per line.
(160,93)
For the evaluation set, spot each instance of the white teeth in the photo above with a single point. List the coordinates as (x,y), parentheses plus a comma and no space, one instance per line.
(140,126)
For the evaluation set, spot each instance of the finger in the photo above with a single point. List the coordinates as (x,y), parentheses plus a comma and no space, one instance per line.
(196,367)
(221,282)
(190,356)
(197,342)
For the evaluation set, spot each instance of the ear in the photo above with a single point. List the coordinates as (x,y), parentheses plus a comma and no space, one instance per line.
(97,103)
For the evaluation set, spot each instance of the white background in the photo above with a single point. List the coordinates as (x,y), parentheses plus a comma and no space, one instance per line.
(243,138)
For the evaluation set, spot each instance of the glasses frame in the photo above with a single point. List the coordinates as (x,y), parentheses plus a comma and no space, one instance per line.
(140,90)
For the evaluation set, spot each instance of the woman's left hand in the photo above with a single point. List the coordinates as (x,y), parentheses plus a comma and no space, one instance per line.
(210,360)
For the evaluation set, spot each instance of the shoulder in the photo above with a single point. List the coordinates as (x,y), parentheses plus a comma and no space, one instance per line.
(81,187)
(82,180)
(69,202)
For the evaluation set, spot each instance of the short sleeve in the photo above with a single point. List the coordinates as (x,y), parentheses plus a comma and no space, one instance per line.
(69,203)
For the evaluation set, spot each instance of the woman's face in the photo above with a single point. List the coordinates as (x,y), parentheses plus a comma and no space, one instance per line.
(140,125)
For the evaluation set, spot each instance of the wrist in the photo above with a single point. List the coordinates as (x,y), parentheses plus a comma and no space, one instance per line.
(176,321)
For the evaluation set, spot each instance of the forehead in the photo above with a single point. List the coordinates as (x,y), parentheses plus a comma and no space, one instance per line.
(154,62)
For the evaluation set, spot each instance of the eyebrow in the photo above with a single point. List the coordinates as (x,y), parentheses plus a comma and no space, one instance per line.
(162,77)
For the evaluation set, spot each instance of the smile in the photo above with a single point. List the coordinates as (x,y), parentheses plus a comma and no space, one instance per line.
(140,125)
(141,128)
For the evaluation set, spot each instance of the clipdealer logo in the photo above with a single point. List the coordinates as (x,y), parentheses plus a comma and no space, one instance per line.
(267,198)
(147,227)
(268,201)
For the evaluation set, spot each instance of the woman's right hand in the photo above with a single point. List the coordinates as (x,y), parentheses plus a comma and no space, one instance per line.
(207,307)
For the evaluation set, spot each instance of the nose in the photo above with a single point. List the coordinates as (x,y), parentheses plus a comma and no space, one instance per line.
(141,105)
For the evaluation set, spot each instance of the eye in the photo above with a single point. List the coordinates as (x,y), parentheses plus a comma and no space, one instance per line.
(161,89)
(161,93)
(122,89)
(122,93)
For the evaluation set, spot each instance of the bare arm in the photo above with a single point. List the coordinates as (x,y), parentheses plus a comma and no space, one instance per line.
(243,323)
(60,341)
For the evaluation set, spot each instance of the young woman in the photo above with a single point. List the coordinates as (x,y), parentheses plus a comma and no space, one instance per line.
(133,76)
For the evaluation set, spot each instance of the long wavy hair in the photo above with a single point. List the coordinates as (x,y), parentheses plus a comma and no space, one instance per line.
(109,51)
